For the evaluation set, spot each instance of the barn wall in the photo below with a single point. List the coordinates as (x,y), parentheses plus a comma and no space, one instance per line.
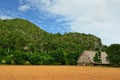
(85,64)
(84,60)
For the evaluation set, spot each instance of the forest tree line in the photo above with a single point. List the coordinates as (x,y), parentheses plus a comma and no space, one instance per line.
(22,42)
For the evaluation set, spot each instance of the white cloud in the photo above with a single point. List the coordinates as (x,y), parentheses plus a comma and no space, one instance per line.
(36,4)
(24,8)
(5,16)
(98,17)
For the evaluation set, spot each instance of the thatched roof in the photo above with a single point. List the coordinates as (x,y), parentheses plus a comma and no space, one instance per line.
(91,55)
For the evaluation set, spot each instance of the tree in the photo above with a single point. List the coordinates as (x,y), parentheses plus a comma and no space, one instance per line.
(40,59)
(97,57)
(18,57)
(114,54)
(70,59)
(58,57)
(46,59)
(35,59)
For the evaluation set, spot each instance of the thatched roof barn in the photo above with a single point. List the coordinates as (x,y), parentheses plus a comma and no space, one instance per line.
(87,58)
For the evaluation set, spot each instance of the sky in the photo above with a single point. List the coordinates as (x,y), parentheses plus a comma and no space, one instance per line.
(97,17)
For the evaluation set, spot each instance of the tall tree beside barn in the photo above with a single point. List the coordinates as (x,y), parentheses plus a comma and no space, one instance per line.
(114,54)
(97,57)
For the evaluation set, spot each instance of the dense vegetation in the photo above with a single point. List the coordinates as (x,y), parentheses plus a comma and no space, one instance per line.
(114,54)
(22,42)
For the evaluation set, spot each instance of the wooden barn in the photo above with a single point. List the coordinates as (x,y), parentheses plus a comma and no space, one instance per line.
(87,58)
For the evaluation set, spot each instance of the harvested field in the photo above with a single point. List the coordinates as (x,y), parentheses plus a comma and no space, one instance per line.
(58,73)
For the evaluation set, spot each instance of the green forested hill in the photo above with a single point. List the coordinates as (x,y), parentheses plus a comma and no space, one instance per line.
(22,42)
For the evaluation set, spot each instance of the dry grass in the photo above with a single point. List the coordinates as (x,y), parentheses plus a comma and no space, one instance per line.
(58,73)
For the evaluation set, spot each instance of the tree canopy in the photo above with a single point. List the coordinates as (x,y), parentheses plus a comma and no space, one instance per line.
(22,42)
(114,54)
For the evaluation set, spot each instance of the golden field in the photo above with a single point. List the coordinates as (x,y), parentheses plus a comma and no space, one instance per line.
(58,73)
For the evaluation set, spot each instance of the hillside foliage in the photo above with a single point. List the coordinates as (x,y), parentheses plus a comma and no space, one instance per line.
(114,54)
(22,42)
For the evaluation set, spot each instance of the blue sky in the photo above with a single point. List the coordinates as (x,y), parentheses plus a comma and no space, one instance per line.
(22,9)
(98,17)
